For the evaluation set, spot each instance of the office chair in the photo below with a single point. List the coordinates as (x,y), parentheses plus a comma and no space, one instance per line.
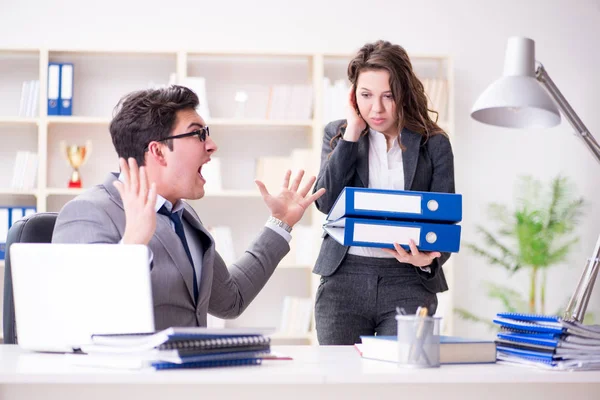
(35,228)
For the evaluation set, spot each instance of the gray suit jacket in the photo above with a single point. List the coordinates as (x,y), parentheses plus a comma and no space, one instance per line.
(428,167)
(97,216)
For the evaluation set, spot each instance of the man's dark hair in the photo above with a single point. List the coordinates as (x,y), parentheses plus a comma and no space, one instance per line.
(146,115)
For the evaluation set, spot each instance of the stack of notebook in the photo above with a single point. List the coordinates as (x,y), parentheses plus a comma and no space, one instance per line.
(177,348)
(381,217)
(547,341)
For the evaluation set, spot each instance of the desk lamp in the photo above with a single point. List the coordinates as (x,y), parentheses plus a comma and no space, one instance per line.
(517,100)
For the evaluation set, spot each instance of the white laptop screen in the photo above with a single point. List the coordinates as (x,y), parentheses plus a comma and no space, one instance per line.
(64,293)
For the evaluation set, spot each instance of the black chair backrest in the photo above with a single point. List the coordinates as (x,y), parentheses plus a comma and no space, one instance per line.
(35,228)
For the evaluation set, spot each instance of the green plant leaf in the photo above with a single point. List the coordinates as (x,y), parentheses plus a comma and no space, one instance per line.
(537,233)
(469,316)
(511,299)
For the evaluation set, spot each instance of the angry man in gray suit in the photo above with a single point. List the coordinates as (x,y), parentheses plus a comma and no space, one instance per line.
(160,131)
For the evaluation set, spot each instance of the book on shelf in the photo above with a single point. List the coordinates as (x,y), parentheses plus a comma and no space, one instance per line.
(211,172)
(198,85)
(453,349)
(302,247)
(30,99)
(381,217)
(270,171)
(223,239)
(24,171)
(547,341)
(296,315)
(290,102)
(335,96)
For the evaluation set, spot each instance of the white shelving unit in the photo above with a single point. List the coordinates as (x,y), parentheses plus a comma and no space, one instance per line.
(101,77)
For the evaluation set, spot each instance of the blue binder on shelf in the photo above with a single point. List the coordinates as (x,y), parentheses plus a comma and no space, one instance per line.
(8,216)
(367,232)
(397,204)
(66,89)
(54,89)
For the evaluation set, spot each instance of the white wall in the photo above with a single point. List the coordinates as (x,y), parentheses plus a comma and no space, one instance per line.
(473,32)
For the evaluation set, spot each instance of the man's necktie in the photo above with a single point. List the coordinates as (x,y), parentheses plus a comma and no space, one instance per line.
(180,232)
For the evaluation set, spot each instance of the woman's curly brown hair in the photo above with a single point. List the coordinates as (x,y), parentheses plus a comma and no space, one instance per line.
(407,89)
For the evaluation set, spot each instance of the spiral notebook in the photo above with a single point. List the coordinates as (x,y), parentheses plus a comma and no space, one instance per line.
(182,338)
(177,348)
(547,341)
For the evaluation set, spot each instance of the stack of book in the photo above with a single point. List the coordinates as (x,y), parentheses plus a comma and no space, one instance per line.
(547,342)
(176,348)
(381,217)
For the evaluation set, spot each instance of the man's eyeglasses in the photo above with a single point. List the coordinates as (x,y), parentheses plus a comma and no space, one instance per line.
(202,133)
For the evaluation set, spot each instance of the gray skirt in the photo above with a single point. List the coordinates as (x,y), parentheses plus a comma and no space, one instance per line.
(361,297)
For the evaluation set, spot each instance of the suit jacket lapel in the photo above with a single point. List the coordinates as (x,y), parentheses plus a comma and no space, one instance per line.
(362,164)
(208,246)
(164,234)
(411,141)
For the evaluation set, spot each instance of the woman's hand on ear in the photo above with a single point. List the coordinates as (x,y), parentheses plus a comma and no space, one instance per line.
(356,124)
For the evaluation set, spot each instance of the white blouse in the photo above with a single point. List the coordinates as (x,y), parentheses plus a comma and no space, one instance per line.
(385,172)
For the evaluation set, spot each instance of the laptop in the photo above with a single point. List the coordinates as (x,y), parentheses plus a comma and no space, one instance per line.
(64,293)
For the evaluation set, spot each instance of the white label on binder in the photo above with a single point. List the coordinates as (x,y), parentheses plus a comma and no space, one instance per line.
(385,234)
(66,91)
(388,202)
(53,78)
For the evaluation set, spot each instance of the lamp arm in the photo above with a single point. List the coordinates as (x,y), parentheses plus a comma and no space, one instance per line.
(542,75)
(579,300)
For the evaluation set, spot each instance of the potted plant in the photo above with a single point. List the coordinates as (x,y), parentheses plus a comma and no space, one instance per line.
(536,236)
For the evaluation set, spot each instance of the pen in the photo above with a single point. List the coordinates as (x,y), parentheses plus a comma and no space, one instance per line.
(420,315)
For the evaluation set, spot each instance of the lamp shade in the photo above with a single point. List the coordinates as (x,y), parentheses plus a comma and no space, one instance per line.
(517,100)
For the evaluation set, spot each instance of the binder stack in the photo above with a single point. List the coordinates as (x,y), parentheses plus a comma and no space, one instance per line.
(547,342)
(381,217)
(60,88)
(175,348)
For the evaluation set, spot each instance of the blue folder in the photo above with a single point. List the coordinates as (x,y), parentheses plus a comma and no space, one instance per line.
(535,339)
(529,317)
(397,204)
(537,327)
(383,233)
(526,353)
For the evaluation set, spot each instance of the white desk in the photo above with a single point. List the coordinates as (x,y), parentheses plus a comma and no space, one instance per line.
(315,372)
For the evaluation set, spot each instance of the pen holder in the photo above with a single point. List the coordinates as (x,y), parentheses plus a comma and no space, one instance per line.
(418,341)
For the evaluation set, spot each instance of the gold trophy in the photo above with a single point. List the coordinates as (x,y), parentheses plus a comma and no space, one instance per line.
(76,156)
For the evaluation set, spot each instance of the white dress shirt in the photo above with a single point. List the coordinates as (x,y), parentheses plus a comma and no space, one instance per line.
(385,172)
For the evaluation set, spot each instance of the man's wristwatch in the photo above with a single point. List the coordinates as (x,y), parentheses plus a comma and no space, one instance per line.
(280,224)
